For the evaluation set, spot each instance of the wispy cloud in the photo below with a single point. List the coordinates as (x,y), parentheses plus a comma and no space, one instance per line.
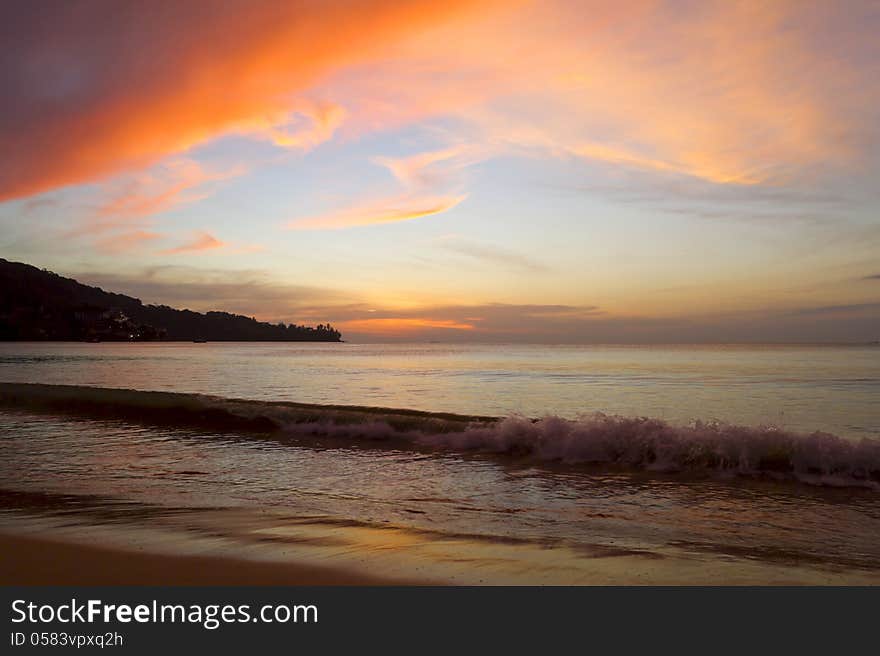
(125,242)
(306,127)
(432,185)
(768,100)
(403,327)
(126,220)
(482,321)
(851,309)
(165,186)
(617,155)
(201,241)
(434,168)
(377,212)
(490,254)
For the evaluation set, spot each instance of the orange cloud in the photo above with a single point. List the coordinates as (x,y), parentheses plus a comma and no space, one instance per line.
(620,156)
(323,119)
(729,93)
(102,87)
(202,241)
(173,183)
(133,198)
(431,178)
(433,167)
(400,326)
(126,241)
(384,210)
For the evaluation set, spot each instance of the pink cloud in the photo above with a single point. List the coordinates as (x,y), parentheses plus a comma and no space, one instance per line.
(305,127)
(201,241)
(165,186)
(126,241)
(379,211)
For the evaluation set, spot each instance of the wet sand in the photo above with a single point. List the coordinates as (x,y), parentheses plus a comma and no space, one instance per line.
(405,558)
(35,561)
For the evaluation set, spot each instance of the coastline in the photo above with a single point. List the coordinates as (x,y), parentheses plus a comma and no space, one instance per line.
(40,561)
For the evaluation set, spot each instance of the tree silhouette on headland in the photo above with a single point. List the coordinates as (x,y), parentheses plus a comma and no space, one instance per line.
(40,305)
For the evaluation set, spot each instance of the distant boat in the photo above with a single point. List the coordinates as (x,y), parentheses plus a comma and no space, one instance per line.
(200,340)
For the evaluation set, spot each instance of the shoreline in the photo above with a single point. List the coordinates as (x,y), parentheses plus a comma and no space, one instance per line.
(29,560)
(41,561)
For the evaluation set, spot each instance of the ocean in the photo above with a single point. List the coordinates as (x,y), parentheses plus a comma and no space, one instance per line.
(607,464)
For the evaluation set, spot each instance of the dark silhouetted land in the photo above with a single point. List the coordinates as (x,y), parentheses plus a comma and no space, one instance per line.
(36,304)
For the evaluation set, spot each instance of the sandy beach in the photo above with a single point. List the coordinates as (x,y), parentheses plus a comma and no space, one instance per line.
(35,561)
(260,551)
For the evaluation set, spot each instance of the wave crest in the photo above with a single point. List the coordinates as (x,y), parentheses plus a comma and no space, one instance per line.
(599,440)
(656,445)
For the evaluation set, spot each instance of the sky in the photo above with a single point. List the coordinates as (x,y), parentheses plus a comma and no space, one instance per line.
(553,171)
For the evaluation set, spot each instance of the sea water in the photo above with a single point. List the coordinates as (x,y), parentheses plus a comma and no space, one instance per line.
(456,506)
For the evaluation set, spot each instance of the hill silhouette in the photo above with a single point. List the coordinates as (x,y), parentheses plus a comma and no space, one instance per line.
(36,304)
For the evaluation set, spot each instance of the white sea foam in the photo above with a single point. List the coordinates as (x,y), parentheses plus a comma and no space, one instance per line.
(635,443)
(641,444)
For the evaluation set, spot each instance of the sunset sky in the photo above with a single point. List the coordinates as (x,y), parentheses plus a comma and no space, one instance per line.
(531,171)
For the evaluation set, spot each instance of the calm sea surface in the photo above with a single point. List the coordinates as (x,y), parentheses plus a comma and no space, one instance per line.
(802,388)
(449,516)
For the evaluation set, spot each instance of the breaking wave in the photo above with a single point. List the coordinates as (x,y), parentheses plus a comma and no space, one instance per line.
(595,440)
